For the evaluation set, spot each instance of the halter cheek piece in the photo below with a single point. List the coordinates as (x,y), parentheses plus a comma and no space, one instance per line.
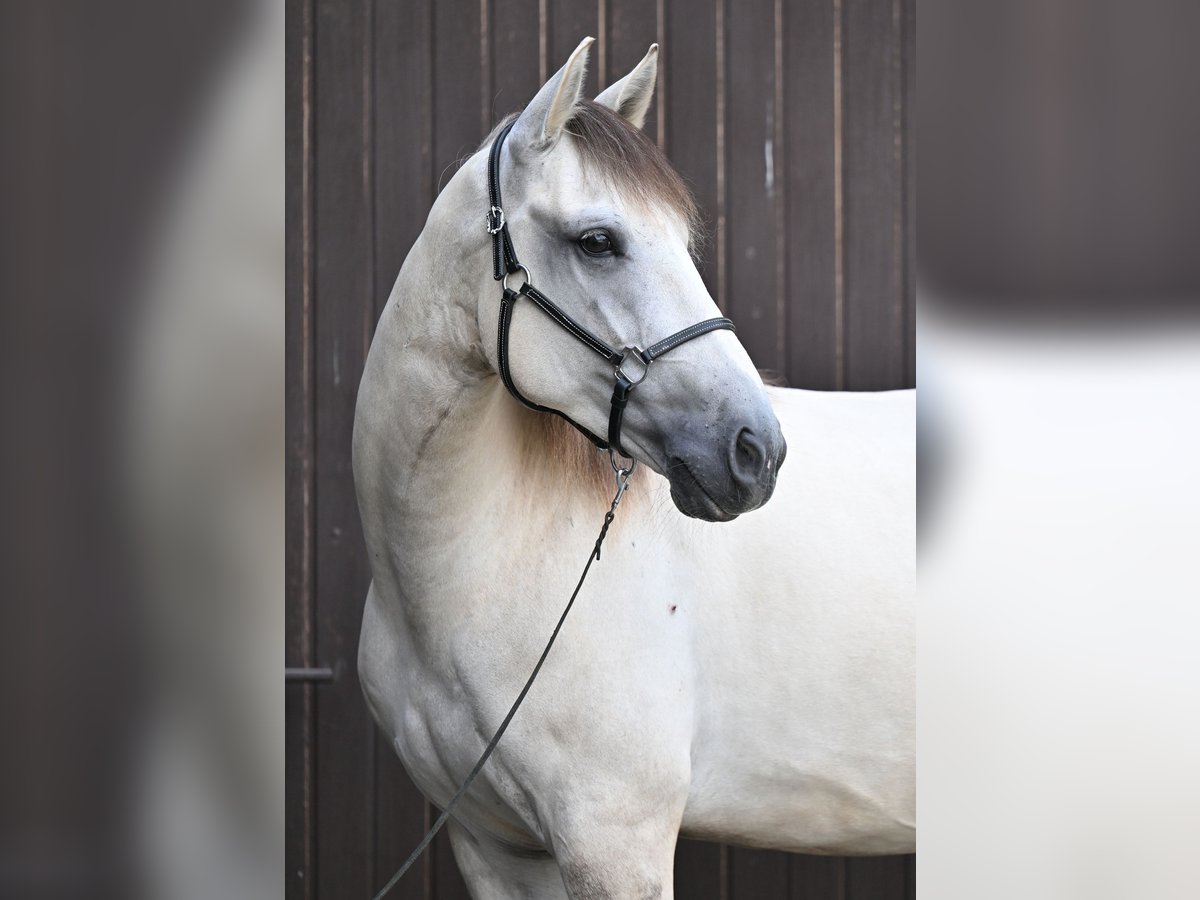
(630,366)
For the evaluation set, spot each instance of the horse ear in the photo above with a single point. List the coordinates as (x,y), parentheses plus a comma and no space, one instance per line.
(631,95)
(543,119)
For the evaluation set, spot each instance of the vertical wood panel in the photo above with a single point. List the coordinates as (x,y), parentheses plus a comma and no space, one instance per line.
(515,76)
(812,308)
(751,167)
(632,28)
(569,22)
(344,315)
(403,192)
(908,46)
(757,874)
(816,878)
(457,86)
(698,871)
(403,116)
(298,761)
(876,878)
(873,274)
(688,63)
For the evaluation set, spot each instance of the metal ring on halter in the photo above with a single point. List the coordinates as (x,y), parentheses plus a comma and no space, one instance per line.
(620,471)
(520,268)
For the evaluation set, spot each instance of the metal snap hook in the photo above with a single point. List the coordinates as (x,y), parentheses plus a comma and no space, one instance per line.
(622,472)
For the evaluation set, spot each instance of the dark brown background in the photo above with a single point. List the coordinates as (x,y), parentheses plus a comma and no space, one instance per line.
(789,118)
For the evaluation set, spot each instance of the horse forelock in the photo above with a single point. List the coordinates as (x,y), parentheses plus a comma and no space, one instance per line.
(622,155)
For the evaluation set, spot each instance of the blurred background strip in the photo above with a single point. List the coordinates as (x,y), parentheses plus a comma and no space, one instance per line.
(791,121)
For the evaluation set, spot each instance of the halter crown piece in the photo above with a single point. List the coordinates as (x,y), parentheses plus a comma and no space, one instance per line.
(630,366)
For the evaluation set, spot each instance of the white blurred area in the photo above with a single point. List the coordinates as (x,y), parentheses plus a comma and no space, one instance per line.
(1059,391)
(1059,612)
(206,476)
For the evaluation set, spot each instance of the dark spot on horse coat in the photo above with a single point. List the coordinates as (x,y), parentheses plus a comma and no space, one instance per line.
(673,608)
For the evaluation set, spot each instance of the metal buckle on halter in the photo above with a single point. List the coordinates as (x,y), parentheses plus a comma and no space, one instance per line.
(495,220)
(638,354)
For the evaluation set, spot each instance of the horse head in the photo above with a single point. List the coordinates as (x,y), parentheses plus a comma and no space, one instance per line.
(608,228)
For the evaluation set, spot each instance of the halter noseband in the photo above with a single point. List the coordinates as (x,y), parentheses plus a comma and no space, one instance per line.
(630,366)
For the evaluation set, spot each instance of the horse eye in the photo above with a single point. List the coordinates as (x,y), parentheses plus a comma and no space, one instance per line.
(596,243)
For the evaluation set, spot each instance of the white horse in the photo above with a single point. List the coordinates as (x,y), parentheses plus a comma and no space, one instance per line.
(749,682)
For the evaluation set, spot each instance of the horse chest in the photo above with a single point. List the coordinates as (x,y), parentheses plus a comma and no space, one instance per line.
(475,622)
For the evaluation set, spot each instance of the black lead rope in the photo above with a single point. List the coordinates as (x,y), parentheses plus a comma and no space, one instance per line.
(630,367)
(622,484)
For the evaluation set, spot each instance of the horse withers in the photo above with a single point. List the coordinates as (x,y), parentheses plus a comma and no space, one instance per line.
(750,681)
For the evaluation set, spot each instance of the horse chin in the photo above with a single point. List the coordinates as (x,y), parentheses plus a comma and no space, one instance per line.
(693,501)
(705,509)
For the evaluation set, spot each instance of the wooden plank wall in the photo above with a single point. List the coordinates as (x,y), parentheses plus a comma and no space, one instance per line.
(791,121)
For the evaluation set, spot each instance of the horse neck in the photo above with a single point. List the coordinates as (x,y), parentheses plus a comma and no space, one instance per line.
(440,448)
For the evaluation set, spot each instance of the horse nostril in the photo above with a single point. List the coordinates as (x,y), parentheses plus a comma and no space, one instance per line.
(749,456)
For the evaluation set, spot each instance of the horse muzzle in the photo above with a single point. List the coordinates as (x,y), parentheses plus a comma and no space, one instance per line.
(718,481)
